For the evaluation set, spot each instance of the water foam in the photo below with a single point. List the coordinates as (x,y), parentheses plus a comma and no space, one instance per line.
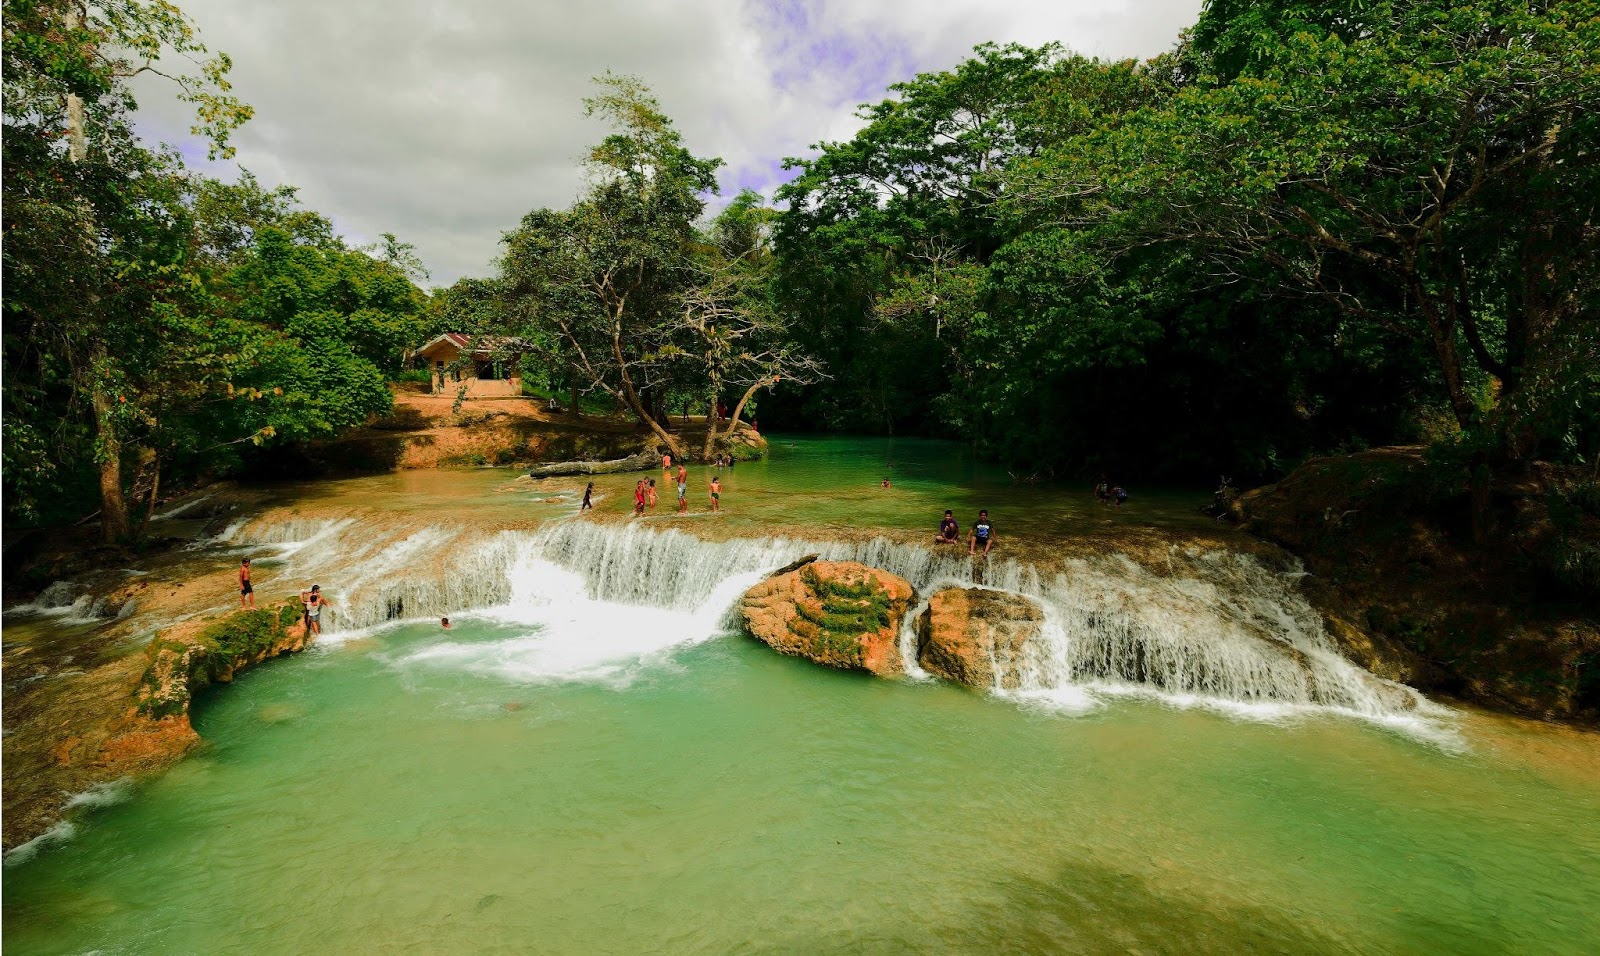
(1214,629)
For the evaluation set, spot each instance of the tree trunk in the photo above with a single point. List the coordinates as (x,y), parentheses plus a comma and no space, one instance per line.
(77,137)
(1447,355)
(711,426)
(738,410)
(155,489)
(640,412)
(108,454)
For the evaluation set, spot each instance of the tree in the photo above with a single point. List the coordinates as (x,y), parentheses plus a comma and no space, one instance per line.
(67,99)
(1423,167)
(596,288)
(739,334)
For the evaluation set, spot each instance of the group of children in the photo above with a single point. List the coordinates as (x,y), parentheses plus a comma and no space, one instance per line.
(644,490)
(1108,494)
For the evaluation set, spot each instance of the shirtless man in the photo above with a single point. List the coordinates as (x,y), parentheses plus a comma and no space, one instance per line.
(247,594)
(683,490)
(716,493)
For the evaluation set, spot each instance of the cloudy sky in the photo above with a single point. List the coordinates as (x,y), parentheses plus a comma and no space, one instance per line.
(445,120)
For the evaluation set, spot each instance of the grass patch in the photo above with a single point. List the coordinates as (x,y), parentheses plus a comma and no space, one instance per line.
(845,611)
(178,668)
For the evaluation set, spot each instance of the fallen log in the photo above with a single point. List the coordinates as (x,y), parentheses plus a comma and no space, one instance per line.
(641,462)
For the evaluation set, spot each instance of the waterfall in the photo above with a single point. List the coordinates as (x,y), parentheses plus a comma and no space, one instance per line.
(1213,626)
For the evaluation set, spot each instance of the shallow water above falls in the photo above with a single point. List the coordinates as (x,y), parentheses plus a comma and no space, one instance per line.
(593,763)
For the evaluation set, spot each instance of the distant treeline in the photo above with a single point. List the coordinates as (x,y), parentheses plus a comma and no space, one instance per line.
(1310,227)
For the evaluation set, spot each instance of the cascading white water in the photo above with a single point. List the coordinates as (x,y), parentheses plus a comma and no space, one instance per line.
(1216,626)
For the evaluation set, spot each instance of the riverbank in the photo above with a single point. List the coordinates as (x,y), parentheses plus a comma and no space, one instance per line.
(435,431)
(1509,621)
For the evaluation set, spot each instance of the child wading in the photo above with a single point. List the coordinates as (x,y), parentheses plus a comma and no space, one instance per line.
(716,493)
(588,493)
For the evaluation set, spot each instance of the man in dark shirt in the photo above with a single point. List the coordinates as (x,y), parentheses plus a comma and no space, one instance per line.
(982,535)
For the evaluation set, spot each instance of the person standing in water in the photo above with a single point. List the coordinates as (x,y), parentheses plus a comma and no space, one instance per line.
(588,493)
(683,490)
(982,534)
(247,594)
(666,467)
(638,497)
(650,494)
(314,603)
(716,493)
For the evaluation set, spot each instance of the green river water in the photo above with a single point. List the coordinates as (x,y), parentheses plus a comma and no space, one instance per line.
(411,791)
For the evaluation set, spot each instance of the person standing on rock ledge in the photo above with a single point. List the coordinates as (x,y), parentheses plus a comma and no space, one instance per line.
(982,534)
(247,594)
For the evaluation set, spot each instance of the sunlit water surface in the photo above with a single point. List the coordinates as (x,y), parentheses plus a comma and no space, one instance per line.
(603,778)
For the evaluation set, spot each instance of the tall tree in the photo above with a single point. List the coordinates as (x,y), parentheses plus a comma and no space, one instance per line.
(597,287)
(68,65)
(1427,167)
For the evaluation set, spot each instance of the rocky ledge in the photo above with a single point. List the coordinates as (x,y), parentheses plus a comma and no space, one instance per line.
(835,613)
(977,637)
(129,718)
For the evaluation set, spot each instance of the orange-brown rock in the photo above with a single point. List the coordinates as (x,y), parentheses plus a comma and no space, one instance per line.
(128,717)
(835,613)
(977,637)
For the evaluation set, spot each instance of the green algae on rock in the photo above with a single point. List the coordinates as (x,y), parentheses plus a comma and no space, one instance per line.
(836,613)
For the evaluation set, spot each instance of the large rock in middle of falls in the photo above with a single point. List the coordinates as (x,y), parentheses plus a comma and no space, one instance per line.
(837,613)
(968,634)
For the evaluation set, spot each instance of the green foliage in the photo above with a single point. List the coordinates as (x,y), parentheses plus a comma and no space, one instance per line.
(156,322)
(622,295)
(1305,224)
(243,633)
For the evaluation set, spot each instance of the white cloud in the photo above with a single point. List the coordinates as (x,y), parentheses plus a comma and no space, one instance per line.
(444,123)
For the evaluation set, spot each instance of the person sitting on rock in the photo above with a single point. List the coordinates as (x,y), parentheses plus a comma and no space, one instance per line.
(949,531)
(982,534)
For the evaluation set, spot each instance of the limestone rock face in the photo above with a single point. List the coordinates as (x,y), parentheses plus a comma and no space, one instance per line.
(967,634)
(835,613)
